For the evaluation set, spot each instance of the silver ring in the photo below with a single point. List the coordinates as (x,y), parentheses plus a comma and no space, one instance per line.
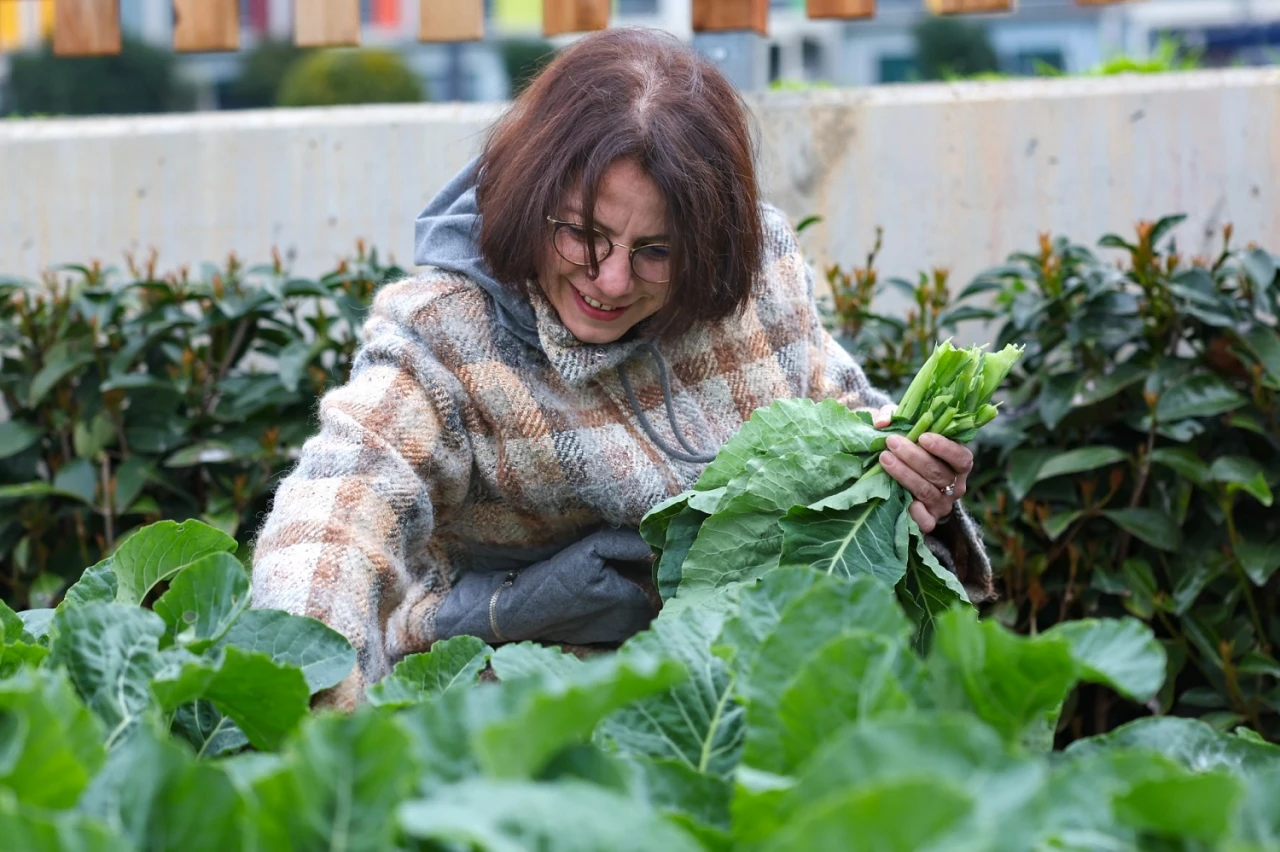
(950,490)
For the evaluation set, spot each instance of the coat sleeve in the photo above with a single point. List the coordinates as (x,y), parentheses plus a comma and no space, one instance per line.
(835,374)
(348,538)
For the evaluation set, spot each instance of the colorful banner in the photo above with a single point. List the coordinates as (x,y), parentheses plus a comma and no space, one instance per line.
(24,23)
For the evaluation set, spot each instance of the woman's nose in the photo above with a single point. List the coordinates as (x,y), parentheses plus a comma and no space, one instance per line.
(615,274)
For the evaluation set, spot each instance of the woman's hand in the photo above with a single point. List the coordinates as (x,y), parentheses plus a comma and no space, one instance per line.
(926,470)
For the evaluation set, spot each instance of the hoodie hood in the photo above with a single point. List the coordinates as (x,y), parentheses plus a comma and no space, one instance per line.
(446,237)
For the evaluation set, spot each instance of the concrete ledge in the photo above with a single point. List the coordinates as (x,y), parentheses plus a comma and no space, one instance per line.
(958,175)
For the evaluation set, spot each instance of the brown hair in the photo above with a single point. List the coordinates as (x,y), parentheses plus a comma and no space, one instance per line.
(642,95)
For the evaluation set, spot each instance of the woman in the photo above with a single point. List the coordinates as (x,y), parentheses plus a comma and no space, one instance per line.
(605,302)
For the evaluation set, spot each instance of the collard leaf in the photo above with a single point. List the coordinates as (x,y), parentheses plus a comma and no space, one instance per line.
(792,425)
(681,534)
(901,816)
(530,659)
(1196,807)
(865,539)
(11,626)
(35,623)
(569,816)
(928,589)
(265,699)
(1013,683)
(697,722)
(34,830)
(19,655)
(208,731)
(855,675)
(323,654)
(1120,653)
(111,651)
(540,716)
(1191,743)
(672,788)
(159,551)
(204,600)
(50,744)
(338,786)
(792,479)
(740,542)
(96,585)
(155,792)
(760,609)
(452,663)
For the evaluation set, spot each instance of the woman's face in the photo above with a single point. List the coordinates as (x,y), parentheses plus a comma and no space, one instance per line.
(629,211)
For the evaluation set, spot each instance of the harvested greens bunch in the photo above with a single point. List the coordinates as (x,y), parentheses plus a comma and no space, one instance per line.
(800,484)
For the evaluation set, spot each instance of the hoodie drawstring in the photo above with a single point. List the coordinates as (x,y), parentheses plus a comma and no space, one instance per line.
(692,455)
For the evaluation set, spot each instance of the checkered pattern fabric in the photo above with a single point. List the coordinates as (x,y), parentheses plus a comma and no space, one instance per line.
(454,445)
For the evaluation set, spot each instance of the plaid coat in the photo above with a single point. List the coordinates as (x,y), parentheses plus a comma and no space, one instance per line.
(454,444)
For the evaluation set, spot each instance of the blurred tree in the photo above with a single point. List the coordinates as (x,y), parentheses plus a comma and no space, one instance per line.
(139,79)
(350,76)
(524,59)
(948,47)
(261,73)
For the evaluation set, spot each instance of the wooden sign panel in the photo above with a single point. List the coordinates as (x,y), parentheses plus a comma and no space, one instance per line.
(326,23)
(450,20)
(847,9)
(206,25)
(574,16)
(717,15)
(968,7)
(86,27)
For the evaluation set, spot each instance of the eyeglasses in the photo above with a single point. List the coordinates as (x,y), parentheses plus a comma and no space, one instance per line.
(651,262)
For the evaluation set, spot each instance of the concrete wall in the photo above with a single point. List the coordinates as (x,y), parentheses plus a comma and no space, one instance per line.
(959,175)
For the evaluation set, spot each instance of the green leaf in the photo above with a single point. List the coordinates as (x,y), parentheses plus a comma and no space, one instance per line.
(697,722)
(862,540)
(1120,653)
(1098,389)
(568,816)
(681,534)
(1080,460)
(451,664)
(25,491)
(111,651)
(265,699)
(50,744)
(1056,396)
(1265,345)
(11,626)
(35,623)
(130,478)
(1151,526)
(1259,559)
(337,787)
(1191,743)
(159,797)
(207,729)
(901,816)
(56,368)
(1197,807)
(77,479)
(544,715)
(760,609)
(740,542)
(17,437)
(204,601)
(291,363)
(1199,395)
(32,830)
(1244,474)
(323,654)
(1055,525)
(1183,461)
(1024,467)
(530,659)
(855,675)
(1260,267)
(159,551)
(96,585)
(699,803)
(1013,683)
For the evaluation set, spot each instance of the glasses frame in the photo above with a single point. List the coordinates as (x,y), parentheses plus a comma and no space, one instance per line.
(557,224)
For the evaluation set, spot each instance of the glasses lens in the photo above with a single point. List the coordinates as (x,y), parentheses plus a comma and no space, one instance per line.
(653,264)
(573,244)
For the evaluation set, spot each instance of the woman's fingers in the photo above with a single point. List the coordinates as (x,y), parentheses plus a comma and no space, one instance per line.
(923,517)
(930,468)
(937,503)
(883,416)
(958,456)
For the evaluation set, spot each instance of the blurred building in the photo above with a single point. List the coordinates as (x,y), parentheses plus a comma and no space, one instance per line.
(1059,33)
